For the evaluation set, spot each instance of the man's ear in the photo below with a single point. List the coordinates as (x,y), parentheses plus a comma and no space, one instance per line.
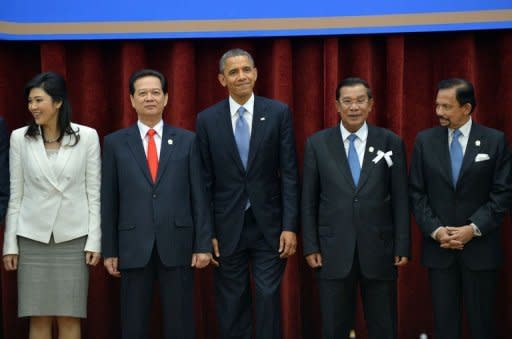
(467,108)
(222,79)
(132,100)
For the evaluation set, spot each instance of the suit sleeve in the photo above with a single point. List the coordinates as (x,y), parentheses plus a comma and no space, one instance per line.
(289,176)
(201,213)
(309,201)
(423,214)
(4,169)
(399,198)
(16,196)
(109,201)
(92,187)
(207,168)
(490,215)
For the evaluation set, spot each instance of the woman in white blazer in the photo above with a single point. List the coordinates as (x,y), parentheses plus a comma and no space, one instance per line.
(53,218)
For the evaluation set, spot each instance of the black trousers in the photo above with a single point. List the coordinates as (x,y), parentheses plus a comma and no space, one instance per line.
(176,297)
(338,299)
(233,287)
(455,284)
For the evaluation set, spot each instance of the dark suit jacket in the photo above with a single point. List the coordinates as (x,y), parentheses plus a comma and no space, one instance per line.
(482,194)
(270,181)
(135,213)
(337,216)
(4,169)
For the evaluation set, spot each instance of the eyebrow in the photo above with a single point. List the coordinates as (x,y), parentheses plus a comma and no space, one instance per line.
(358,97)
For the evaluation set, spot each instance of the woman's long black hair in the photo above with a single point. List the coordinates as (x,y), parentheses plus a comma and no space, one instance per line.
(55,86)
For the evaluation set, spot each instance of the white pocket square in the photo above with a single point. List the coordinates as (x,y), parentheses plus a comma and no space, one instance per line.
(482,157)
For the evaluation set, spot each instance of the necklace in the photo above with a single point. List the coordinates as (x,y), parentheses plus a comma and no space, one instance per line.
(50,141)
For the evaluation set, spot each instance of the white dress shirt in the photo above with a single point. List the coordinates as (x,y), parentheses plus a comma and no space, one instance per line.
(359,142)
(249,108)
(143,129)
(464,135)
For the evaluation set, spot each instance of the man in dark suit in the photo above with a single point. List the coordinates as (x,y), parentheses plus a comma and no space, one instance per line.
(248,152)
(155,222)
(355,215)
(460,189)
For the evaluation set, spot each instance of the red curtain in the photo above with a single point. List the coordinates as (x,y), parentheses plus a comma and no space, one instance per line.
(402,69)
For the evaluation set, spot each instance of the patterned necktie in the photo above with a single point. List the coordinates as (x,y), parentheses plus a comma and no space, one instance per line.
(242,136)
(353,159)
(456,156)
(152,155)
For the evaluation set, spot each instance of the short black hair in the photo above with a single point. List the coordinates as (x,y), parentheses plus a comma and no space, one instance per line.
(146,73)
(351,82)
(231,54)
(464,91)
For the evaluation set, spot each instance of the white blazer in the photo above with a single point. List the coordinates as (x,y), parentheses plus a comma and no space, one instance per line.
(64,202)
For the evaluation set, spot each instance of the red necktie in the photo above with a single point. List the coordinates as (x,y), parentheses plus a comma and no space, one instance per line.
(152,156)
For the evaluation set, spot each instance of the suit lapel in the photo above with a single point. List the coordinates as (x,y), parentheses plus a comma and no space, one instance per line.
(64,154)
(167,147)
(259,124)
(338,154)
(134,142)
(374,142)
(471,150)
(226,129)
(39,154)
(442,151)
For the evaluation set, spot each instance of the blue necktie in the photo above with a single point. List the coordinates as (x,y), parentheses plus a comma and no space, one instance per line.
(353,159)
(242,136)
(456,156)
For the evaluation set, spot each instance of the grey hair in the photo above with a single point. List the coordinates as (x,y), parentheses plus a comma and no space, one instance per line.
(233,53)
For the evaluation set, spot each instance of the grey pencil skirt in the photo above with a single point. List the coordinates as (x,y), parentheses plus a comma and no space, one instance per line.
(52,278)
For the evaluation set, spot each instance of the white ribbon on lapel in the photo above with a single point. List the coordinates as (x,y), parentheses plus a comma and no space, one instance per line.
(386,156)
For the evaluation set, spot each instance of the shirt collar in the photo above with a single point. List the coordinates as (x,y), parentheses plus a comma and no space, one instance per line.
(143,129)
(362,133)
(234,106)
(464,129)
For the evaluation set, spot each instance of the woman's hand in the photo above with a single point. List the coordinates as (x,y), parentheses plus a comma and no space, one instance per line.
(10,262)
(92,258)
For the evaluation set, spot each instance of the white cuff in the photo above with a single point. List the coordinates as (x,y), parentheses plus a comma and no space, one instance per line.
(433,234)
(476,230)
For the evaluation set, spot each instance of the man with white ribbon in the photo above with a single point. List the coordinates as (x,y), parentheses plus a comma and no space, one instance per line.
(355,215)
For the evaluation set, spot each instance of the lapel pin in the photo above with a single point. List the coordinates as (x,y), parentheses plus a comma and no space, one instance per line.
(262,119)
(169,141)
(370,149)
(477,143)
